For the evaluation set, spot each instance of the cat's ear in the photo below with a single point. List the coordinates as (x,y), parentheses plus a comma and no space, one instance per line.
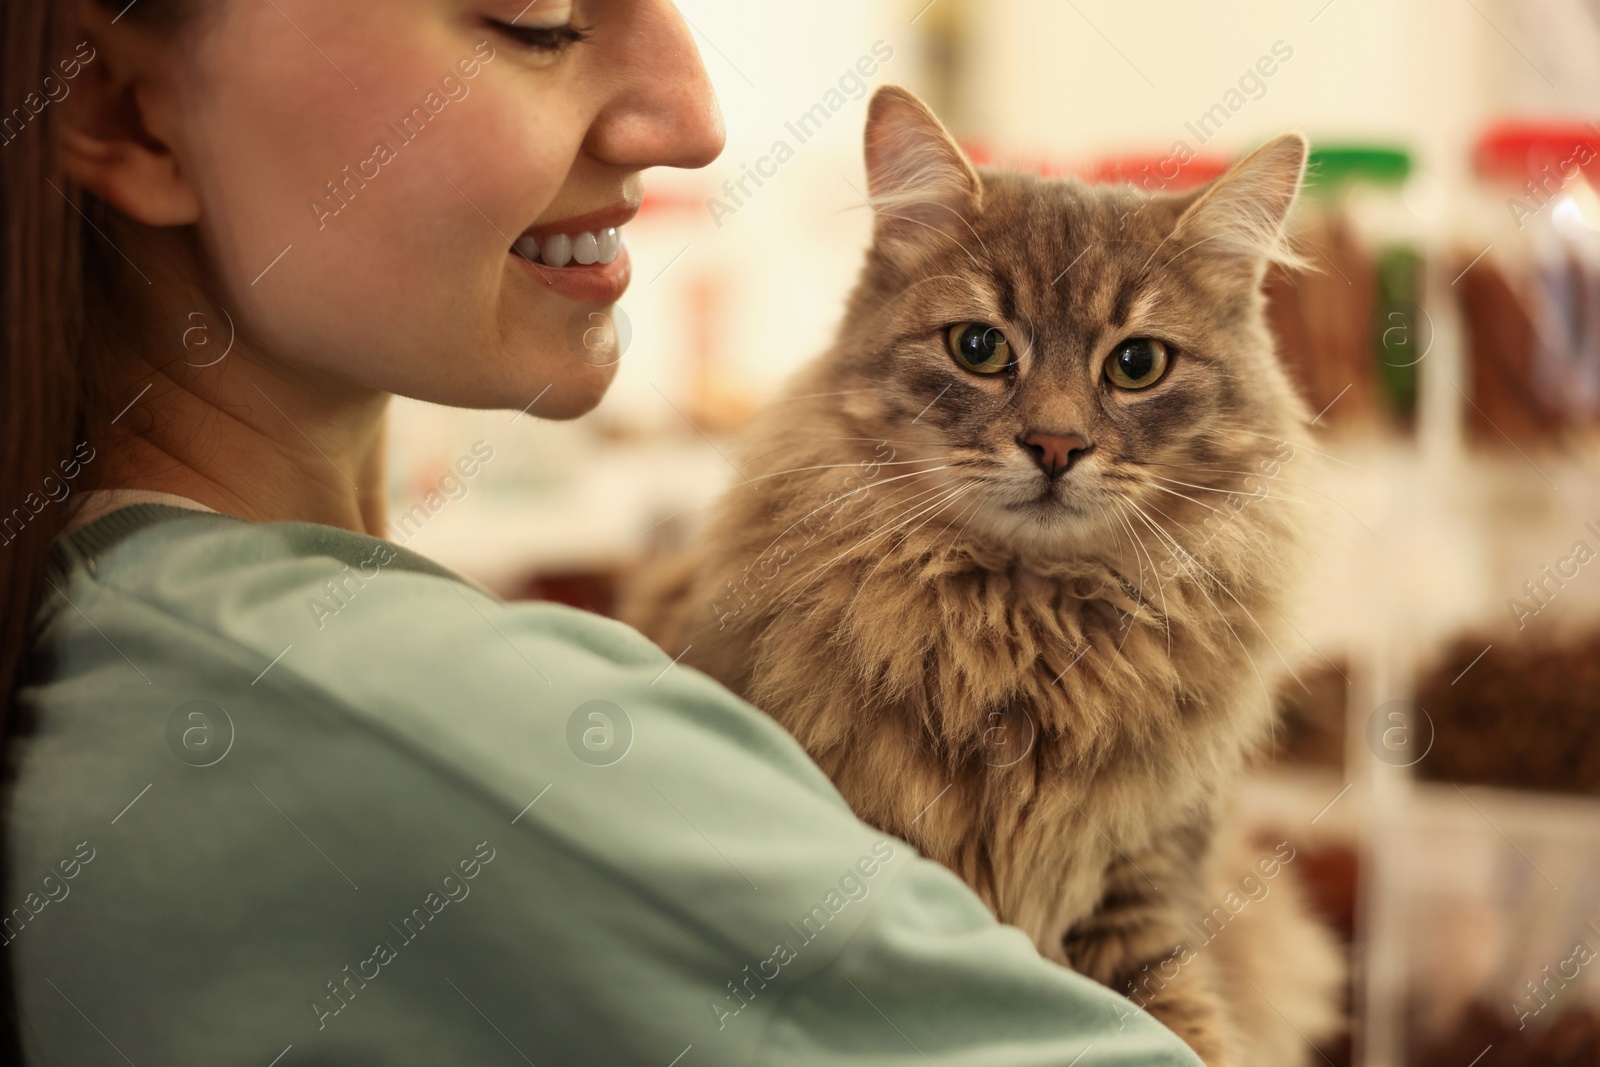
(917,176)
(1241,215)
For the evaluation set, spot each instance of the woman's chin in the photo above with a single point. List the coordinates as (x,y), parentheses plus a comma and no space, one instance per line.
(569,391)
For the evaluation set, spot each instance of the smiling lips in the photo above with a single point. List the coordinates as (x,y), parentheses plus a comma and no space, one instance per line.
(586,247)
(582,257)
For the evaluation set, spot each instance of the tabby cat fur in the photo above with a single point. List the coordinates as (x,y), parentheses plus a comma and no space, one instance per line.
(1021,617)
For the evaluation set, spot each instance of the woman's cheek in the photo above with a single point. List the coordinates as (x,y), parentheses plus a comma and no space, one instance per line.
(360,246)
(372,237)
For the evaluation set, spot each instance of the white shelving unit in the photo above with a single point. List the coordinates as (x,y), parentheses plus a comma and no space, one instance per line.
(1464,891)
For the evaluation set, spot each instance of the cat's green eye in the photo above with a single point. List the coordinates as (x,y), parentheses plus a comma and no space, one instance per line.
(1137,363)
(978,347)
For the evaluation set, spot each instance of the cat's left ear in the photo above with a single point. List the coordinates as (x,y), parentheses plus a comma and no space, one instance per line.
(1241,215)
(917,176)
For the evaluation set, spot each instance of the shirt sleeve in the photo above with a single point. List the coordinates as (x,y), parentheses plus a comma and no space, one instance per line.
(446,829)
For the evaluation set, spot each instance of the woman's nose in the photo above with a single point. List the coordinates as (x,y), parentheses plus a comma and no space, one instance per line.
(663,112)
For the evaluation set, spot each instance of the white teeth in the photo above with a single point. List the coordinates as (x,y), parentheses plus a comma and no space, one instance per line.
(585,249)
(557,251)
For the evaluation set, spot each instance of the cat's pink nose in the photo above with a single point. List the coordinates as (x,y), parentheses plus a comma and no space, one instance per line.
(1054,452)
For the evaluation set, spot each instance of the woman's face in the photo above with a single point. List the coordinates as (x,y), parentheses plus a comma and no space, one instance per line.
(366,171)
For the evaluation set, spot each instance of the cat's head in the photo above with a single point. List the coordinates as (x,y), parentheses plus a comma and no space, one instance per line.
(1070,354)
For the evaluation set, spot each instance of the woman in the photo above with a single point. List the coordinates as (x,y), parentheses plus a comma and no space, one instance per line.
(284,792)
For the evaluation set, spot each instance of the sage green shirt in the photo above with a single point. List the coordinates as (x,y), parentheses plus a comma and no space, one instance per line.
(292,795)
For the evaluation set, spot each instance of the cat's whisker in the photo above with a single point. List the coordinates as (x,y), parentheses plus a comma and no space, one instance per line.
(1290,622)
(1177,255)
(1177,554)
(1237,492)
(1153,252)
(1190,499)
(813,396)
(977,503)
(898,522)
(905,503)
(964,249)
(1189,558)
(1161,589)
(883,202)
(1271,478)
(965,491)
(1108,517)
(828,503)
(976,507)
(1206,488)
(831,466)
(975,235)
(1223,586)
(955,494)
(1280,440)
(811,442)
(960,491)
(1284,481)
(1155,573)
(1127,624)
(905,516)
(896,499)
(963,282)
(1173,546)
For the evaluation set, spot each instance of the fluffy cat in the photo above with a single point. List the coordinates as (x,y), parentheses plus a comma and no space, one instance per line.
(990,565)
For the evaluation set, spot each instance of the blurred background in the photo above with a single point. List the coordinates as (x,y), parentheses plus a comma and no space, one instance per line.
(1439,768)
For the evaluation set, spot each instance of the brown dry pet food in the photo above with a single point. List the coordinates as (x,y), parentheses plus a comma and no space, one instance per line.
(1322,319)
(1573,1040)
(1501,342)
(1524,717)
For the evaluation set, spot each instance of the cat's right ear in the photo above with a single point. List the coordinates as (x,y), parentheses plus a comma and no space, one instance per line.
(917,176)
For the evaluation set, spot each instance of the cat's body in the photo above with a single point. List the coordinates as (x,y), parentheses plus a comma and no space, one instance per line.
(1049,692)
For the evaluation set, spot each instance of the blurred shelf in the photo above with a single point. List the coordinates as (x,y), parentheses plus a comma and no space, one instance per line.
(1510,813)
(598,517)
(1313,801)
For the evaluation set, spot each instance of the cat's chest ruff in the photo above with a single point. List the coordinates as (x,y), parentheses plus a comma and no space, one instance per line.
(1008,635)
(1037,612)
(1081,668)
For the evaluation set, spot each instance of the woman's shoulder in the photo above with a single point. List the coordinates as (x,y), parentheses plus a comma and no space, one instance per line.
(268,587)
(153,601)
(180,558)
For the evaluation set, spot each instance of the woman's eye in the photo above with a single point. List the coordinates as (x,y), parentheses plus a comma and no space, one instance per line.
(1137,363)
(540,38)
(979,348)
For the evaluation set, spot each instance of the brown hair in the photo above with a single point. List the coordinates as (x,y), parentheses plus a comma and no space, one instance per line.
(58,289)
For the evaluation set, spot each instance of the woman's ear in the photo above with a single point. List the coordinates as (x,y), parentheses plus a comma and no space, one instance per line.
(108,141)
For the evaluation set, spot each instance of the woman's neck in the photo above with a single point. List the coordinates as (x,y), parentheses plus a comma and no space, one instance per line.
(250,442)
